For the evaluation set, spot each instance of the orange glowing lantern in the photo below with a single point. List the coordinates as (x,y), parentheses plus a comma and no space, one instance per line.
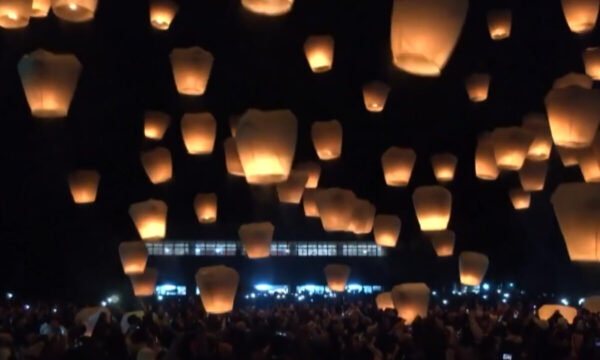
(199,131)
(433,205)
(206,207)
(444,166)
(74,10)
(411,300)
(327,139)
(363,215)
(319,53)
(537,124)
(375,95)
(485,161)
(472,267)
(568,156)
(266,143)
(591,60)
(14,14)
(478,86)
(533,175)
(313,170)
(337,276)
(573,79)
(335,208)
(499,23)
(234,120)
(581,15)
(546,311)
(257,238)
(162,13)
(386,230)
(134,255)
(144,284)
(156,124)
(592,304)
(158,165)
(309,202)
(424,33)
(268,7)
(150,219)
(589,161)
(290,191)
(397,165)
(191,69)
(519,198)
(218,286)
(40,8)
(511,145)
(232,158)
(49,81)
(443,242)
(84,186)
(384,301)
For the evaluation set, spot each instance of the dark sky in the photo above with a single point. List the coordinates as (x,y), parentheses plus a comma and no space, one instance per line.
(49,245)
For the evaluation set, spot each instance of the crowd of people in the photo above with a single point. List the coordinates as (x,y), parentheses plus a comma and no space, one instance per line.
(333,329)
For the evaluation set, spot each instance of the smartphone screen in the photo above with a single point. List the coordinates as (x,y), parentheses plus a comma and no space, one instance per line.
(506,357)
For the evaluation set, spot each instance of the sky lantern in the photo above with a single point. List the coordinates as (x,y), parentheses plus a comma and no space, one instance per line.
(40,8)
(290,191)
(581,15)
(84,186)
(327,139)
(397,165)
(577,209)
(591,60)
(134,255)
(150,219)
(337,276)
(335,208)
(234,120)
(191,69)
(511,145)
(443,242)
(309,202)
(478,86)
(444,166)
(533,175)
(232,158)
(218,286)
(546,311)
(519,198)
(540,148)
(199,131)
(313,170)
(568,156)
(574,114)
(433,205)
(74,10)
(14,14)
(485,160)
(158,165)
(162,13)
(499,23)
(156,124)
(362,218)
(205,205)
(49,81)
(144,284)
(319,52)
(592,304)
(386,230)
(268,7)
(411,300)
(257,238)
(589,161)
(266,143)
(424,33)
(384,301)
(375,95)
(573,79)
(472,267)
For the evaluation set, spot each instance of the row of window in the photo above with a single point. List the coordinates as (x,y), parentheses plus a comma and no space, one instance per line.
(278,248)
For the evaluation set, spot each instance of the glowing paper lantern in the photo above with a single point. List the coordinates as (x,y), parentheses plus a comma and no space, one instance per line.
(191,69)
(519,198)
(150,219)
(443,242)
(156,124)
(546,311)
(478,86)
(581,15)
(511,145)
(327,139)
(232,158)
(573,79)
(485,160)
(574,114)
(40,8)
(589,162)
(533,175)
(499,23)
(84,186)
(268,7)
(568,156)
(319,53)
(158,165)
(472,267)
(591,60)
(144,284)
(218,286)
(577,209)
(49,81)
(337,276)
(74,10)
(335,207)
(266,143)
(363,215)
(386,230)
(384,301)
(15,14)
(199,131)
(444,166)
(411,300)
(257,238)
(162,13)
(134,255)
(537,124)
(206,207)
(424,33)
(234,120)
(592,304)
(290,191)
(397,165)
(309,203)
(375,95)
(313,170)
(433,205)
